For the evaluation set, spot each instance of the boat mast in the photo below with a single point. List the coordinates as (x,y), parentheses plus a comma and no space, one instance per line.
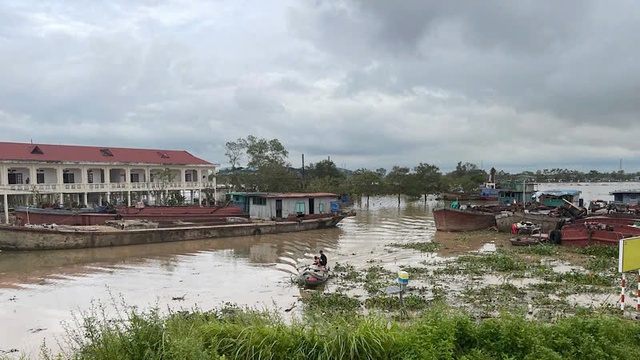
(524,191)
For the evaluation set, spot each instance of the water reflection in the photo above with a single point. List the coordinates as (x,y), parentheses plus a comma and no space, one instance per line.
(18,268)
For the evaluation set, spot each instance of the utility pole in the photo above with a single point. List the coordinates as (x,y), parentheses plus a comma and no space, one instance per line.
(302,171)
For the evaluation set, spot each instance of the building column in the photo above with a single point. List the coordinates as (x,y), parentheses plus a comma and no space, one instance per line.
(86,199)
(215,186)
(33,175)
(3,178)
(83,175)
(128,198)
(6,208)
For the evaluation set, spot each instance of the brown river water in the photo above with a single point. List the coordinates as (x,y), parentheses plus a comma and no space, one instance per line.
(41,291)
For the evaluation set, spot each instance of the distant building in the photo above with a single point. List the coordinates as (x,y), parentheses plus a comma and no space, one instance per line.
(629,197)
(90,174)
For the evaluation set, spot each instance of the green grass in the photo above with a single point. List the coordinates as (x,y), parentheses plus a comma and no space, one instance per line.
(439,333)
(542,250)
(427,246)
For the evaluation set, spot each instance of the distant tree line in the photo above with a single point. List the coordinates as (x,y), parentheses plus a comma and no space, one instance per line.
(262,165)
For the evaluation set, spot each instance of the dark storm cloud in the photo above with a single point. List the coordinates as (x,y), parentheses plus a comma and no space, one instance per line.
(574,59)
(370,83)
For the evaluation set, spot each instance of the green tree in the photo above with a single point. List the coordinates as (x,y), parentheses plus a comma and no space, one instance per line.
(263,152)
(466,177)
(366,183)
(397,181)
(235,151)
(324,168)
(428,178)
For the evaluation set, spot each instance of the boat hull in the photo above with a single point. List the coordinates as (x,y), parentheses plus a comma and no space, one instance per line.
(65,237)
(592,234)
(459,220)
(313,277)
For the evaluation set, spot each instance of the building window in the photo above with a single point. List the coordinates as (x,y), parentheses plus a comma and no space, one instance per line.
(188,177)
(15,178)
(259,201)
(300,207)
(135,177)
(321,208)
(68,178)
(90,177)
(40,178)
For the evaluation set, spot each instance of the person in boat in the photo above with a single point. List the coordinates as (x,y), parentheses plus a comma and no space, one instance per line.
(323,259)
(316,261)
(455,205)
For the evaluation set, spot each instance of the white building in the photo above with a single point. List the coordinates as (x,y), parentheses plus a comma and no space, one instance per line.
(88,174)
(274,206)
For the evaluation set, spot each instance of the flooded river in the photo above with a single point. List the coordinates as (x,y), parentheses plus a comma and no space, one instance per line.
(40,291)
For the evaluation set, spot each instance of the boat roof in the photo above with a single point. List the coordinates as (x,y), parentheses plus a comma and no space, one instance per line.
(557,192)
(284,195)
(629,191)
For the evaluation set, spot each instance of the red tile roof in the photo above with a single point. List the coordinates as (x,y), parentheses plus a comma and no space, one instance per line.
(295,195)
(73,153)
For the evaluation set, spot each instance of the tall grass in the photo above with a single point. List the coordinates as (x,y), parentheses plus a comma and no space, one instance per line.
(439,333)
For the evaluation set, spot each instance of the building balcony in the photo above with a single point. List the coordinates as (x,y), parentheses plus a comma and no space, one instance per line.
(102,187)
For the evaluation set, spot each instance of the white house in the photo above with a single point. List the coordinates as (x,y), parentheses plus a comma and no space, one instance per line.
(89,174)
(271,206)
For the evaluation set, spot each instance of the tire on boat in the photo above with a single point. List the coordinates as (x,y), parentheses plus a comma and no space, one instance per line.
(555,237)
(256,232)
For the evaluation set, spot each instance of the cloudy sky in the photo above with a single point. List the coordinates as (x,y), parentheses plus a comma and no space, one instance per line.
(371,83)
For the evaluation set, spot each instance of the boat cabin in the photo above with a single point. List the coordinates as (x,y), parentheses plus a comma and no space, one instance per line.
(557,197)
(629,197)
(278,206)
(516,192)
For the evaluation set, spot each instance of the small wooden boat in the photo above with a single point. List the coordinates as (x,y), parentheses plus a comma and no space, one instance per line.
(529,240)
(313,276)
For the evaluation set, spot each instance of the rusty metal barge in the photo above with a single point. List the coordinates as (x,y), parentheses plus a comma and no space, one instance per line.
(77,237)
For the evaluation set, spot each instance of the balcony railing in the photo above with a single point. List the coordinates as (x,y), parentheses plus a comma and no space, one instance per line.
(104,187)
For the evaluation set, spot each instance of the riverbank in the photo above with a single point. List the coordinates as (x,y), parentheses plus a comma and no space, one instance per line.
(438,333)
